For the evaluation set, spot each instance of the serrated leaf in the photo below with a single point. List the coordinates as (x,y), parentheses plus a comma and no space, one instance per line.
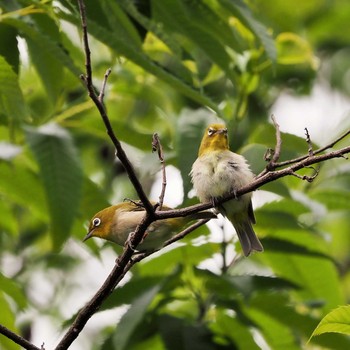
(50,69)
(12,103)
(120,23)
(336,321)
(182,18)
(61,175)
(45,43)
(9,46)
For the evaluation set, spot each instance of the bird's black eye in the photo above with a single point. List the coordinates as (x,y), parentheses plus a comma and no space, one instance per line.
(211,131)
(96,222)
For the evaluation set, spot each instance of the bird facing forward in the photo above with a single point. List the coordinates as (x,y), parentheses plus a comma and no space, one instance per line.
(218,172)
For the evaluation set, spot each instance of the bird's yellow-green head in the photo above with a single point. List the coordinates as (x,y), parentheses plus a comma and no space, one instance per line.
(214,139)
(101,224)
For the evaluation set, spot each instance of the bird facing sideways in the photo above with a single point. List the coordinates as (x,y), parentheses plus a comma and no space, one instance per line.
(218,172)
(115,223)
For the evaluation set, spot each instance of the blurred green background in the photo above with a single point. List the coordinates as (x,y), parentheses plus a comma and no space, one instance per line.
(176,66)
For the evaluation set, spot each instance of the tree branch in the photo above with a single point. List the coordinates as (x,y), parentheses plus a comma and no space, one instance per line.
(157,146)
(87,79)
(18,339)
(257,183)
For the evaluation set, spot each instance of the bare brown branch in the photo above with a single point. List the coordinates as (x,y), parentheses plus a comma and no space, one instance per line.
(157,146)
(17,339)
(104,83)
(308,140)
(100,106)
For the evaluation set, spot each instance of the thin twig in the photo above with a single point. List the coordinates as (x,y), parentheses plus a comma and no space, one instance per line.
(277,152)
(157,146)
(305,177)
(121,267)
(104,83)
(100,106)
(257,183)
(17,338)
(308,141)
(272,156)
(186,231)
(318,151)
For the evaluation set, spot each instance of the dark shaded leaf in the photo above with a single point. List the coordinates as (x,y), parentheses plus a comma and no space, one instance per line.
(61,175)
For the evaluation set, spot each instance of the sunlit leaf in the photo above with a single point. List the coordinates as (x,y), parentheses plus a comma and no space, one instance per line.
(336,321)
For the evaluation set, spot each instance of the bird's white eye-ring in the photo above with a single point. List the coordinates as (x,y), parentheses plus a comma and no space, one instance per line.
(96,222)
(211,131)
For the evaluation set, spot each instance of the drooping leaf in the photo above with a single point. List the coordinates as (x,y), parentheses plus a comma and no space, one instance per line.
(13,291)
(132,318)
(61,175)
(49,67)
(45,43)
(133,53)
(12,103)
(9,46)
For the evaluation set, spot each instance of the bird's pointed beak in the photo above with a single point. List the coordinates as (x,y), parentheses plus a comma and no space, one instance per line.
(89,235)
(222,131)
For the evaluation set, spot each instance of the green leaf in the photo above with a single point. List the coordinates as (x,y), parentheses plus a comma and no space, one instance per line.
(45,43)
(187,19)
(7,318)
(336,321)
(13,290)
(243,13)
(241,336)
(61,175)
(254,153)
(316,275)
(22,186)
(334,199)
(134,54)
(9,46)
(50,69)
(178,334)
(292,49)
(277,335)
(12,103)
(131,291)
(120,23)
(133,317)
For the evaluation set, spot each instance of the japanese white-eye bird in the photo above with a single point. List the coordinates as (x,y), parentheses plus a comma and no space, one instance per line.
(218,172)
(115,223)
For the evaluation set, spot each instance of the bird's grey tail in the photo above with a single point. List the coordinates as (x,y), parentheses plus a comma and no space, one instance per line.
(247,237)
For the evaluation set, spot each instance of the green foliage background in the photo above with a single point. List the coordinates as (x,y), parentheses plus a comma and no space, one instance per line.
(175,64)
